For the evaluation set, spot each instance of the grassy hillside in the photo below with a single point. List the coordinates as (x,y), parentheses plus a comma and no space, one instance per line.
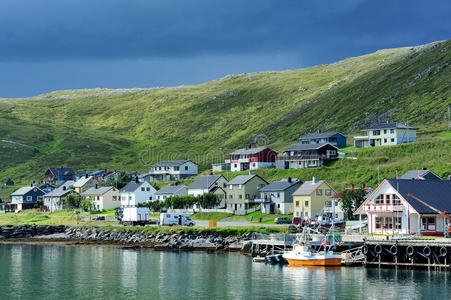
(131,129)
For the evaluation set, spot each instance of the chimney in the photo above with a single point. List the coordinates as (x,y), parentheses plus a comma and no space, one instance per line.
(86,175)
(136,179)
(64,187)
(424,169)
(96,186)
(31,184)
(289,179)
(314,180)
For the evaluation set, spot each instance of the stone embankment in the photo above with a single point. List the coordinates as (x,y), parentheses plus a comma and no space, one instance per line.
(29,231)
(209,241)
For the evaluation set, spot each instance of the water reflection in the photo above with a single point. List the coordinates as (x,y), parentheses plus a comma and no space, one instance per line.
(90,272)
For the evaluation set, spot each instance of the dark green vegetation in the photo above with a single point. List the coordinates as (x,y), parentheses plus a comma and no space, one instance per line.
(131,129)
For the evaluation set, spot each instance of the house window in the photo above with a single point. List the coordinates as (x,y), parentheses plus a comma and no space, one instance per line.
(398,223)
(379,199)
(392,131)
(234,165)
(392,140)
(278,205)
(29,198)
(278,195)
(253,164)
(328,204)
(186,168)
(328,192)
(385,131)
(378,222)
(428,223)
(396,200)
(319,192)
(176,168)
(240,197)
(230,197)
(388,223)
(143,189)
(297,203)
(385,140)
(240,186)
(306,203)
(148,189)
(247,196)
(224,185)
(376,132)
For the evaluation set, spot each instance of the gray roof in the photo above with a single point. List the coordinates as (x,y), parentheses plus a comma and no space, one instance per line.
(62,171)
(170,163)
(82,181)
(279,185)
(131,187)
(389,126)
(59,192)
(307,188)
(97,191)
(320,135)
(436,193)
(416,174)
(306,147)
(23,190)
(170,189)
(248,151)
(242,179)
(204,182)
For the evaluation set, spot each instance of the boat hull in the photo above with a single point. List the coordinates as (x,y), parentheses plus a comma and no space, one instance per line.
(314,262)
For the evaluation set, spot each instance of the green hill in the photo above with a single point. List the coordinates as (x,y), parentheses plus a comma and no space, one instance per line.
(133,128)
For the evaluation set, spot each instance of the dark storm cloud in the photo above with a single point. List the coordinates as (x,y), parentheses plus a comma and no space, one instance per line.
(34,35)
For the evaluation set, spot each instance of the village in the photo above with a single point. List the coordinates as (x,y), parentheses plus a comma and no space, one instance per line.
(391,208)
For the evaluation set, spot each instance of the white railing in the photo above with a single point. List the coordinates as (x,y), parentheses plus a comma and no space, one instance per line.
(383,207)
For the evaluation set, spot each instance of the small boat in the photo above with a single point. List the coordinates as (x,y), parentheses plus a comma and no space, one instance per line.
(275,259)
(303,255)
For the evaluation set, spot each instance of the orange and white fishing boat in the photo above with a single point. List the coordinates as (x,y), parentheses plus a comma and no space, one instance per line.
(303,255)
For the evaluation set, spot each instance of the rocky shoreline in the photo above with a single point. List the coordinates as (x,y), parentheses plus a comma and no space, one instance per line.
(208,241)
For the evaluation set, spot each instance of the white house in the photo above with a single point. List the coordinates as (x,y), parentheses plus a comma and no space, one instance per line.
(55,200)
(392,208)
(386,134)
(137,192)
(215,184)
(171,190)
(105,197)
(172,170)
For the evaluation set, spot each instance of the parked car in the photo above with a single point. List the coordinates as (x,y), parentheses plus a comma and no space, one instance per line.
(296,220)
(282,220)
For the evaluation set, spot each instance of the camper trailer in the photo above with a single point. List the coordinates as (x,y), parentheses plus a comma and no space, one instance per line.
(171,219)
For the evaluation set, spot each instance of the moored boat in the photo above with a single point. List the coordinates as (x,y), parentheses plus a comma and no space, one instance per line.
(303,255)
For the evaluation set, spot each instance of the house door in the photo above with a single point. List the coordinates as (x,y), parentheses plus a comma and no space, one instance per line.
(271,208)
(236,206)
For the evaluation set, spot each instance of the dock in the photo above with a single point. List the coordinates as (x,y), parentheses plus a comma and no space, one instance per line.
(370,251)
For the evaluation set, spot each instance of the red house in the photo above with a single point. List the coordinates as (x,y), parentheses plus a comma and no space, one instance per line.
(252,158)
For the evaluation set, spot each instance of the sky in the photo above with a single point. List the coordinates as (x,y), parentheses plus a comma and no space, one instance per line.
(50,45)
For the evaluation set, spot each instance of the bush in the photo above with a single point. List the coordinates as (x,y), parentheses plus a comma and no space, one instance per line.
(86,204)
(73,200)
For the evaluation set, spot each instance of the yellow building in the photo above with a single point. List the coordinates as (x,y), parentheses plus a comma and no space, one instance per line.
(310,198)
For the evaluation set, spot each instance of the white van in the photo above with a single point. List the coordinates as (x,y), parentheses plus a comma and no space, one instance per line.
(170,219)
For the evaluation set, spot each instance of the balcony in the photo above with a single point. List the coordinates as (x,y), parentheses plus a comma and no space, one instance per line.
(298,157)
(374,208)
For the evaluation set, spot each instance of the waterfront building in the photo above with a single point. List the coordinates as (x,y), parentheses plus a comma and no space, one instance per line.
(243,190)
(216,184)
(105,197)
(26,197)
(391,209)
